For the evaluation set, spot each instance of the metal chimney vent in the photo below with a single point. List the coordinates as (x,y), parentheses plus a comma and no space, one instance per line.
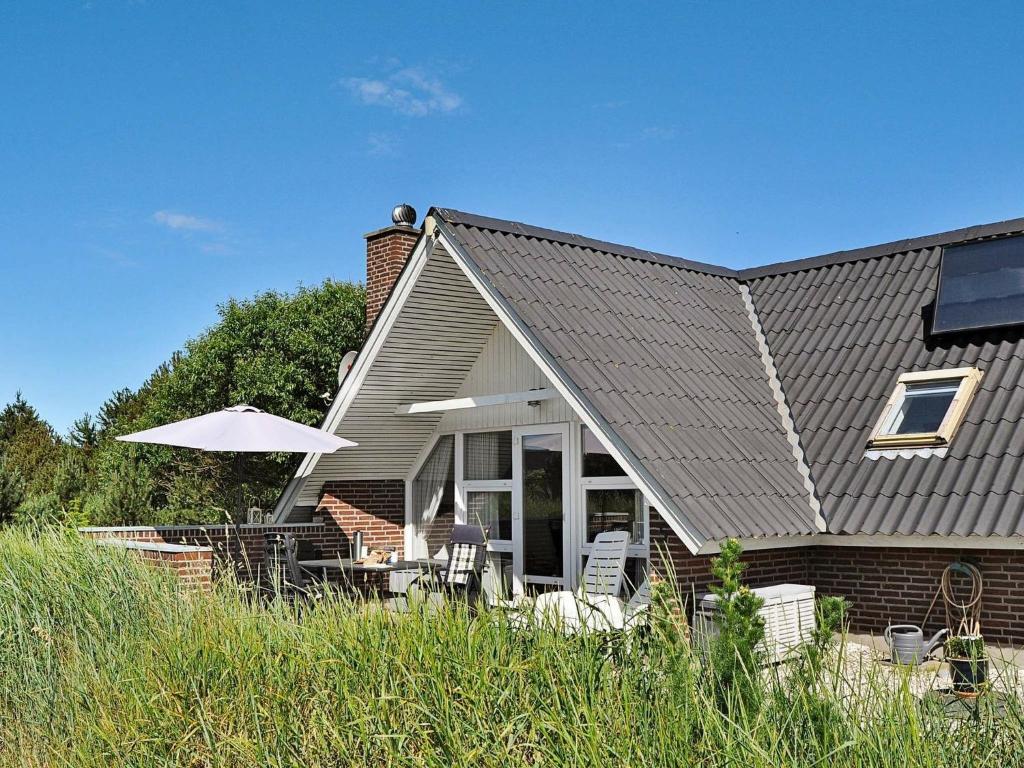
(404,215)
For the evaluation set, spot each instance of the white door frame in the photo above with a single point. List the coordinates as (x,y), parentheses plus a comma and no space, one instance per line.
(520,579)
(571,497)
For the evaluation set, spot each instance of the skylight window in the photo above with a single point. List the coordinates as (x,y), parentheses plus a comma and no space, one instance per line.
(981,285)
(925,409)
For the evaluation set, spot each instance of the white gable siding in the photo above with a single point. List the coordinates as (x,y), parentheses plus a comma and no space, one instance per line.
(434,342)
(504,366)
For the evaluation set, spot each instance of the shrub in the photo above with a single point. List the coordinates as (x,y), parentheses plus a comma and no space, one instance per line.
(735,655)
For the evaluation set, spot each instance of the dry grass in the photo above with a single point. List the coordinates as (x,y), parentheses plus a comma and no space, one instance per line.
(104,662)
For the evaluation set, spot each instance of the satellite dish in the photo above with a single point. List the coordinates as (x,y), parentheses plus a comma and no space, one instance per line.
(346,365)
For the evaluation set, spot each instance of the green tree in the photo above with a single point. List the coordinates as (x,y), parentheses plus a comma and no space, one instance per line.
(84,433)
(29,445)
(278,352)
(12,491)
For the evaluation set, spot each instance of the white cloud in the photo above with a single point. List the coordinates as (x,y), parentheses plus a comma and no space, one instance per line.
(409,91)
(185,222)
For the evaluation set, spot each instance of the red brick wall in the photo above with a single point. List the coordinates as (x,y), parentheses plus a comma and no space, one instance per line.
(386,253)
(889,584)
(222,539)
(764,567)
(194,568)
(883,584)
(375,507)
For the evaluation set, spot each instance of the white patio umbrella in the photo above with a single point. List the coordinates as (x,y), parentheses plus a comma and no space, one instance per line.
(241,429)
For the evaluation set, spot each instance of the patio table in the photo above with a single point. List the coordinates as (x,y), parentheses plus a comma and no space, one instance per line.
(348,566)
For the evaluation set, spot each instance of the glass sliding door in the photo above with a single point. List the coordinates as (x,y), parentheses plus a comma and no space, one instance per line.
(516,484)
(540,500)
(486,490)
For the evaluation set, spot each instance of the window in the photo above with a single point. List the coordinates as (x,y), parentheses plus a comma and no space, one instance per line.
(925,409)
(611,502)
(597,461)
(491,510)
(615,509)
(981,285)
(487,456)
(487,483)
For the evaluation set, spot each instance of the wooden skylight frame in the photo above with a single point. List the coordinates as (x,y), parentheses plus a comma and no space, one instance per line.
(968,378)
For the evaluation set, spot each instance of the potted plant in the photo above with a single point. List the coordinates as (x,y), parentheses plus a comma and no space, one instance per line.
(968,664)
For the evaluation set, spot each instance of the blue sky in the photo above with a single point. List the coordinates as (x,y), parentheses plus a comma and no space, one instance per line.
(159,157)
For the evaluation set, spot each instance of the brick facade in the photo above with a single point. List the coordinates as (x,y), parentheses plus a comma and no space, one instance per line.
(890,584)
(883,584)
(375,507)
(193,567)
(223,541)
(387,250)
(669,556)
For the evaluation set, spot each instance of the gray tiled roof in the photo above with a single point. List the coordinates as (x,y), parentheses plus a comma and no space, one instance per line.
(841,334)
(665,351)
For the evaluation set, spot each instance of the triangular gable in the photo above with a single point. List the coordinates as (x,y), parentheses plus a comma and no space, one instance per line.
(662,361)
(429,334)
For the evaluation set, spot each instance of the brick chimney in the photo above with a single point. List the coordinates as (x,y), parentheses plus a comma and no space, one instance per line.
(387,250)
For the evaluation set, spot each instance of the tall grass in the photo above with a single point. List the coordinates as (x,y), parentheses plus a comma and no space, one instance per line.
(106,662)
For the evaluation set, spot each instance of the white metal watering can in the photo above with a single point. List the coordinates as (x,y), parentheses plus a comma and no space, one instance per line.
(907,645)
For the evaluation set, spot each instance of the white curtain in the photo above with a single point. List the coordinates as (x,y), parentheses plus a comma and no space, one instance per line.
(429,487)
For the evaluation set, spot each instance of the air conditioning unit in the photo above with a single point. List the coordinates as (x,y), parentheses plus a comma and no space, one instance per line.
(788,614)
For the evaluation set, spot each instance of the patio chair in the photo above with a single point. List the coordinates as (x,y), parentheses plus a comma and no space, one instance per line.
(287,578)
(459,578)
(595,604)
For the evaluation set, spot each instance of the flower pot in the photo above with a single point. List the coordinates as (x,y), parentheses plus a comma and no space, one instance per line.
(968,675)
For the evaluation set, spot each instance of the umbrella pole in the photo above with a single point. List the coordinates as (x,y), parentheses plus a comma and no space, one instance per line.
(239,503)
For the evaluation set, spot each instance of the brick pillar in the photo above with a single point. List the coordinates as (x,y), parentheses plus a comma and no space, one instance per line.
(387,250)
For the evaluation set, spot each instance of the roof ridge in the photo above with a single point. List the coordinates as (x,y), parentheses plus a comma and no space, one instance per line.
(993,229)
(453,216)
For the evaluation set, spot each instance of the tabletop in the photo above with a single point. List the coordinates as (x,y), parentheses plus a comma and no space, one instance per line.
(347,564)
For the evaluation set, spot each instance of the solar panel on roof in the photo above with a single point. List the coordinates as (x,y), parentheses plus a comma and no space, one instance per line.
(981,285)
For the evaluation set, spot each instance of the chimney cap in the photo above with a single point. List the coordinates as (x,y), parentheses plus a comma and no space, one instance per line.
(403,215)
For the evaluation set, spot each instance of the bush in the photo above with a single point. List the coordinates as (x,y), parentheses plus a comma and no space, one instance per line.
(735,654)
(965,647)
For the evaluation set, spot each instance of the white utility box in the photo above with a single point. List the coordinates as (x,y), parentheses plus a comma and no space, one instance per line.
(788,614)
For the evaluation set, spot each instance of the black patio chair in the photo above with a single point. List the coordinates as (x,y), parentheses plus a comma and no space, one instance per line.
(284,574)
(461,576)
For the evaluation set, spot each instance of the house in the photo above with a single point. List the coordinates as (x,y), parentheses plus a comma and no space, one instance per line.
(854,419)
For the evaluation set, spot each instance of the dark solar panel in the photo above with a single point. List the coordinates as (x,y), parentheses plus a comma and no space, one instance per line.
(981,285)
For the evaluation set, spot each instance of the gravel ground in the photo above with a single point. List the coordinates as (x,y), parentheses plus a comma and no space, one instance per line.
(862,662)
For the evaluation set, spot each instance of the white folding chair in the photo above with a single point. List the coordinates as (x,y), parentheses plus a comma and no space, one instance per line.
(595,604)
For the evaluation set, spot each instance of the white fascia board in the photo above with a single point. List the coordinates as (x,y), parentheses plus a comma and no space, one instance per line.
(878,540)
(357,374)
(476,401)
(568,389)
